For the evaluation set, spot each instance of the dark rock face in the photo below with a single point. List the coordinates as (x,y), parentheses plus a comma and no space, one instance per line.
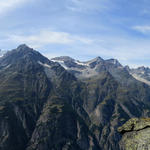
(45,107)
(136,134)
(39,105)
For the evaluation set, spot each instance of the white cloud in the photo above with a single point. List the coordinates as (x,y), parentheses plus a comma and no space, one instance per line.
(124,49)
(131,51)
(127,51)
(143,29)
(46,36)
(87,5)
(8,5)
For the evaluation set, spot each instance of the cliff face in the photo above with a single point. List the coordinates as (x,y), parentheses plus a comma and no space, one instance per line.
(40,105)
(136,134)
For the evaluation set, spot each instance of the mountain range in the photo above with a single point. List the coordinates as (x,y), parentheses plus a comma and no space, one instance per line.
(97,65)
(65,104)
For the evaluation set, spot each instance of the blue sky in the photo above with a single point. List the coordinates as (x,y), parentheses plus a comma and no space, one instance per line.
(82,29)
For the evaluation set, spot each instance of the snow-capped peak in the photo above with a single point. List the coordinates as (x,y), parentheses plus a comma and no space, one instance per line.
(2,52)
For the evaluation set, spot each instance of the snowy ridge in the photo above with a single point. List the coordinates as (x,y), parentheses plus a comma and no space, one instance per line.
(137,77)
(95,66)
(45,65)
(81,63)
(2,53)
(84,69)
(61,63)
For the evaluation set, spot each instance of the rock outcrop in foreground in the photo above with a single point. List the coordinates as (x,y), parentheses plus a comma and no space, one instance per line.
(136,134)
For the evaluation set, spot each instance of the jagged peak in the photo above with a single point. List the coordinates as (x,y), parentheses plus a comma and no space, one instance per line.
(127,68)
(24,53)
(97,59)
(142,68)
(63,58)
(113,61)
(23,47)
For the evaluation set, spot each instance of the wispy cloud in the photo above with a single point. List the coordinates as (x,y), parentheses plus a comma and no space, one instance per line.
(126,50)
(87,5)
(80,28)
(8,5)
(142,29)
(46,36)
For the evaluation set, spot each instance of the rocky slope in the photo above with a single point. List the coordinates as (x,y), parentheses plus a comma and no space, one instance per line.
(40,107)
(90,68)
(136,134)
(97,65)
(44,105)
(141,73)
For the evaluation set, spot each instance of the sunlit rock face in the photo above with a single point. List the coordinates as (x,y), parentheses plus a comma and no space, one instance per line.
(136,134)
